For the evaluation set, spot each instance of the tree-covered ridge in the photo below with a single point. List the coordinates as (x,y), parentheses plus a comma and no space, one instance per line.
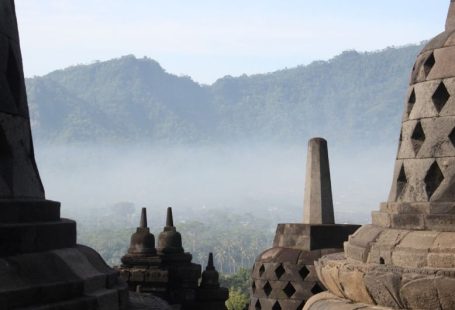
(348,98)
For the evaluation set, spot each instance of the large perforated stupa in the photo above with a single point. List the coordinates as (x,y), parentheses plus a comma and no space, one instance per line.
(405,259)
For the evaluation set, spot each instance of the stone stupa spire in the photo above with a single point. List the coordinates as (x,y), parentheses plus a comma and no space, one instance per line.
(450,22)
(318,205)
(43,267)
(170,240)
(142,241)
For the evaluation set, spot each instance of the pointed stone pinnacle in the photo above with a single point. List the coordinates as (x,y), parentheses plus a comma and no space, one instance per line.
(450,23)
(210,265)
(169,218)
(318,205)
(143,223)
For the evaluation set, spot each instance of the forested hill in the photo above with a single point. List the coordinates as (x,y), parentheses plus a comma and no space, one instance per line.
(354,97)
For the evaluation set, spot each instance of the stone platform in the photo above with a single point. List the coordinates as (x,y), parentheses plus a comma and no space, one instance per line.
(64,279)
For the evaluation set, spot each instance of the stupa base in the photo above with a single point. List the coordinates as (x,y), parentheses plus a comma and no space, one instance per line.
(65,279)
(387,285)
(327,301)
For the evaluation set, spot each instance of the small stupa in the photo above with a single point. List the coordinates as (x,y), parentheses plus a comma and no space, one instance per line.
(210,295)
(167,271)
(283,277)
(405,259)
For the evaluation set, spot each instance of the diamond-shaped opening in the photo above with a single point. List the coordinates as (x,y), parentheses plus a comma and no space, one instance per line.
(289,290)
(258,306)
(400,141)
(253,287)
(280,271)
(452,137)
(401,181)
(276,306)
(261,270)
(316,289)
(440,97)
(428,64)
(417,138)
(433,179)
(411,101)
(304,272)
(267,289)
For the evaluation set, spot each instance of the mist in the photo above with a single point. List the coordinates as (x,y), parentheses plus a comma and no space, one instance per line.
(266,180)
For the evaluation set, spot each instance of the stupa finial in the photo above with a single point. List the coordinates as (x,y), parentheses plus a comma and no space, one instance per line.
(143,223)
(169,218)
(318,205)
(450,23)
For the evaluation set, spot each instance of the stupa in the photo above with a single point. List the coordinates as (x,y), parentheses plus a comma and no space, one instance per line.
(168,272)
(283,277)
(41,266)
(405,259)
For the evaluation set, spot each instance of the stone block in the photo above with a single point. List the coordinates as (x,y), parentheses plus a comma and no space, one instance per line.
(137,275)
(420,294)
(354,287)
(440,222)
(444,287)
(423,106)
(329,275)
(106,299)
(36,237)
(365,236)
(356,252)
(444,63)
(407,221)
(384,289)
(381,219)
(381,250)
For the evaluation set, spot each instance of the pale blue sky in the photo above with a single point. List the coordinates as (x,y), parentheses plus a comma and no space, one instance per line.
(209,39)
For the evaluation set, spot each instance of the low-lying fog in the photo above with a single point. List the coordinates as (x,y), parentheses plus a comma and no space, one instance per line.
(256,179)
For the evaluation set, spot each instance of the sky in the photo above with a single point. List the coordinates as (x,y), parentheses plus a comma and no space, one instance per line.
(209,39)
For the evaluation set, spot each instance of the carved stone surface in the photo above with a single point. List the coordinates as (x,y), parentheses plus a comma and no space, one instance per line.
(167,272)
(284,277)
(41,267)
(318,205)
(405,259)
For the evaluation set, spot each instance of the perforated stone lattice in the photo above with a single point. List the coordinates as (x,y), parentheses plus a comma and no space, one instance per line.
(283,286)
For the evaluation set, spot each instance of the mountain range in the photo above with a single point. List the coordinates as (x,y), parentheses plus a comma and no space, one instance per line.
(354,98)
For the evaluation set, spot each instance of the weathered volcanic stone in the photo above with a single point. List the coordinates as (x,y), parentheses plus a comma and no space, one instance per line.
(284,277)
(318,205)
(406,258)
(41,267)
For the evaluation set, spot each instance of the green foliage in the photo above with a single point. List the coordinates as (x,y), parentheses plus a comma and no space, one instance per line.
(348,98)
(234,239)
(237,300)
(240,281)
